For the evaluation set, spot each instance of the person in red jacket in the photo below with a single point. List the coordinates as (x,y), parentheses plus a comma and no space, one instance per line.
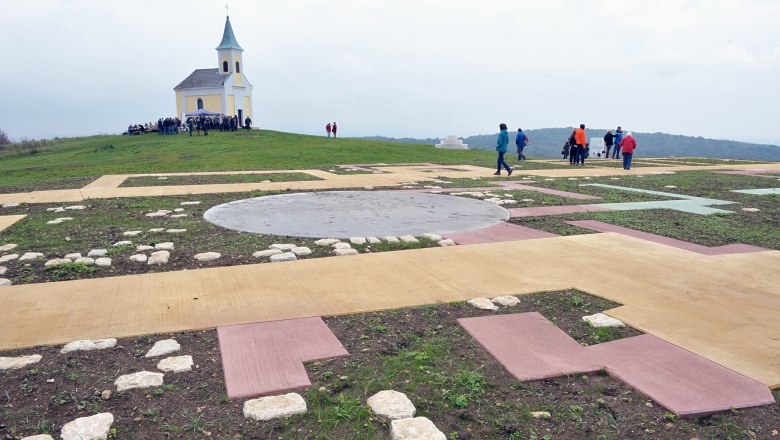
(328,129)
(628,145)
(582,141)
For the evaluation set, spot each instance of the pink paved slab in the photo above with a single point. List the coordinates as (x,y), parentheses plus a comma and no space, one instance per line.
(686,384)
(704,250)
(499,232)
(267,358)
(531,348)
(556,192)
(553,210)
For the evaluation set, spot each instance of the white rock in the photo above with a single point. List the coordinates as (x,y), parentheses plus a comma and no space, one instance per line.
(342,246)
(283,246)
(285,256)
(163,254)
(751,209)
(3,270)
(122,243)
(418,428)
(5,282)
(343,252)
(143,248)
(132,233)
(483,303)
(602,320)
(103,262)
(141,379)
(266,253)
(373,240)
(176,231)
(56,262)
(87,261)
(301,251)
(176,364)
(10,205)
(157,260)
(73,256)
(14,363)
(156,230)
(357,240)
(54,209)
(30,256)
(162,178)
(541,415)
(527,200)
(408,239)
(8,257)
(433,237)
(166,246)
(75,207)
(98,253)
(89,345)
(390,239)
(94,427)
(391,405)
(59,210)
(178,210)
(446,242)
(506,301)
(38,437)
(274,407)
(670,186)
(368,188)
(180,215)
(156,214)
(207,256)
(163,347)
(7,247)
(326,241)
(138,258)
(190,203)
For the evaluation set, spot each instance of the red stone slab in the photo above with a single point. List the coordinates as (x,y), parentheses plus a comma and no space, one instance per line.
(680,381)
(531,348)
(267,358)
(553,210)
(556,192)
(499,232)
(704,250)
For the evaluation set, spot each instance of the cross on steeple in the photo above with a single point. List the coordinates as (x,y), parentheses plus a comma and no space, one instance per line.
(227,10)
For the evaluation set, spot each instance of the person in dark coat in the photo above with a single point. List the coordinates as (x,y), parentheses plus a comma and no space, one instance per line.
(572,149)
(247,123)
(609,140)
(333,129)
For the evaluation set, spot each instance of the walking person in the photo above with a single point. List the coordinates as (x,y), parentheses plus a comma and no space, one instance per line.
(582,141)
(333,129)
(521,141)
(629,145)
(247,123)
(618,138)
(501,144)
(328,129)
(572,143)
(189,125)
(609,140)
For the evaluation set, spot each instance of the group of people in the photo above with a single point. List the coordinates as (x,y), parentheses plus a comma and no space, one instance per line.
(162,126)
(221,122)
(331,128)
(577,147)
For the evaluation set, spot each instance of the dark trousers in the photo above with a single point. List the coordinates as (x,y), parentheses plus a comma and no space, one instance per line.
(627,160)
(501,162)
(581,153)
(608,147)
(572,154)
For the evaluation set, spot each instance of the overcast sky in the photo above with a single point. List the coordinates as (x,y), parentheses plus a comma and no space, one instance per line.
(418,68)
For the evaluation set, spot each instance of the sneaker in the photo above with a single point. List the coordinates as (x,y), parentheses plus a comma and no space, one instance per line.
(497,173)
(510,173)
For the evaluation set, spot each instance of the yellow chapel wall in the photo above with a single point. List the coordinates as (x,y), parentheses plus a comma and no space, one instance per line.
(231,105)
(178,103)
(247,107)
(212,103)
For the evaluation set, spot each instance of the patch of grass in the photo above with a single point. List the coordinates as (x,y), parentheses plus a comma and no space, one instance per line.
(69,271)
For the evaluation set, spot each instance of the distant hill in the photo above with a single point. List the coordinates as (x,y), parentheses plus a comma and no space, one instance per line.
(547,142)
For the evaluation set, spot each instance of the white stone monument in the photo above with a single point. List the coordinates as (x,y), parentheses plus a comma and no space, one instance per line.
(452,143)
(597,148)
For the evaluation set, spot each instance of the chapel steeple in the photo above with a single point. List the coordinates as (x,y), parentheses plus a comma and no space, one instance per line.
(228,38)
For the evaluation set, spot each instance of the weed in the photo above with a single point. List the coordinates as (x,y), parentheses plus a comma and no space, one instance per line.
(69,271)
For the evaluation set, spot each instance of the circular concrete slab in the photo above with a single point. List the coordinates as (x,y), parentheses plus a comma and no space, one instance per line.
(344,214)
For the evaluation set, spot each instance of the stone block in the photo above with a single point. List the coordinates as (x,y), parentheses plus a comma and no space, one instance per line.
(274,407)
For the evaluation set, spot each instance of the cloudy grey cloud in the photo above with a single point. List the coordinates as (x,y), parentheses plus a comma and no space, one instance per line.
(402,68)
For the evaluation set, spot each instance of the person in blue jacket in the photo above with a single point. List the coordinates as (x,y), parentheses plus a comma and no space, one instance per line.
(618,138)
(501,144)
(521,141)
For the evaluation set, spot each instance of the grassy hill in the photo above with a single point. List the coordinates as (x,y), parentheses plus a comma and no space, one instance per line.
(75,158)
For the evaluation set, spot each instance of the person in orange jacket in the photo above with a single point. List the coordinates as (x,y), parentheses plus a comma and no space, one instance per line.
(628,145)
(582,141)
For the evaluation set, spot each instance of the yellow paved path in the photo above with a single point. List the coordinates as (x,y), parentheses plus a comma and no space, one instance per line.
(724,308)
(8,220)
(108,186)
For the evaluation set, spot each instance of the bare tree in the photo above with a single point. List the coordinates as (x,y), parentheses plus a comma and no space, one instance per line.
(4,139)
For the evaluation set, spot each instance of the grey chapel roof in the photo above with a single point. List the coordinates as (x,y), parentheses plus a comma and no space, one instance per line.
(203,78)
(228,39)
